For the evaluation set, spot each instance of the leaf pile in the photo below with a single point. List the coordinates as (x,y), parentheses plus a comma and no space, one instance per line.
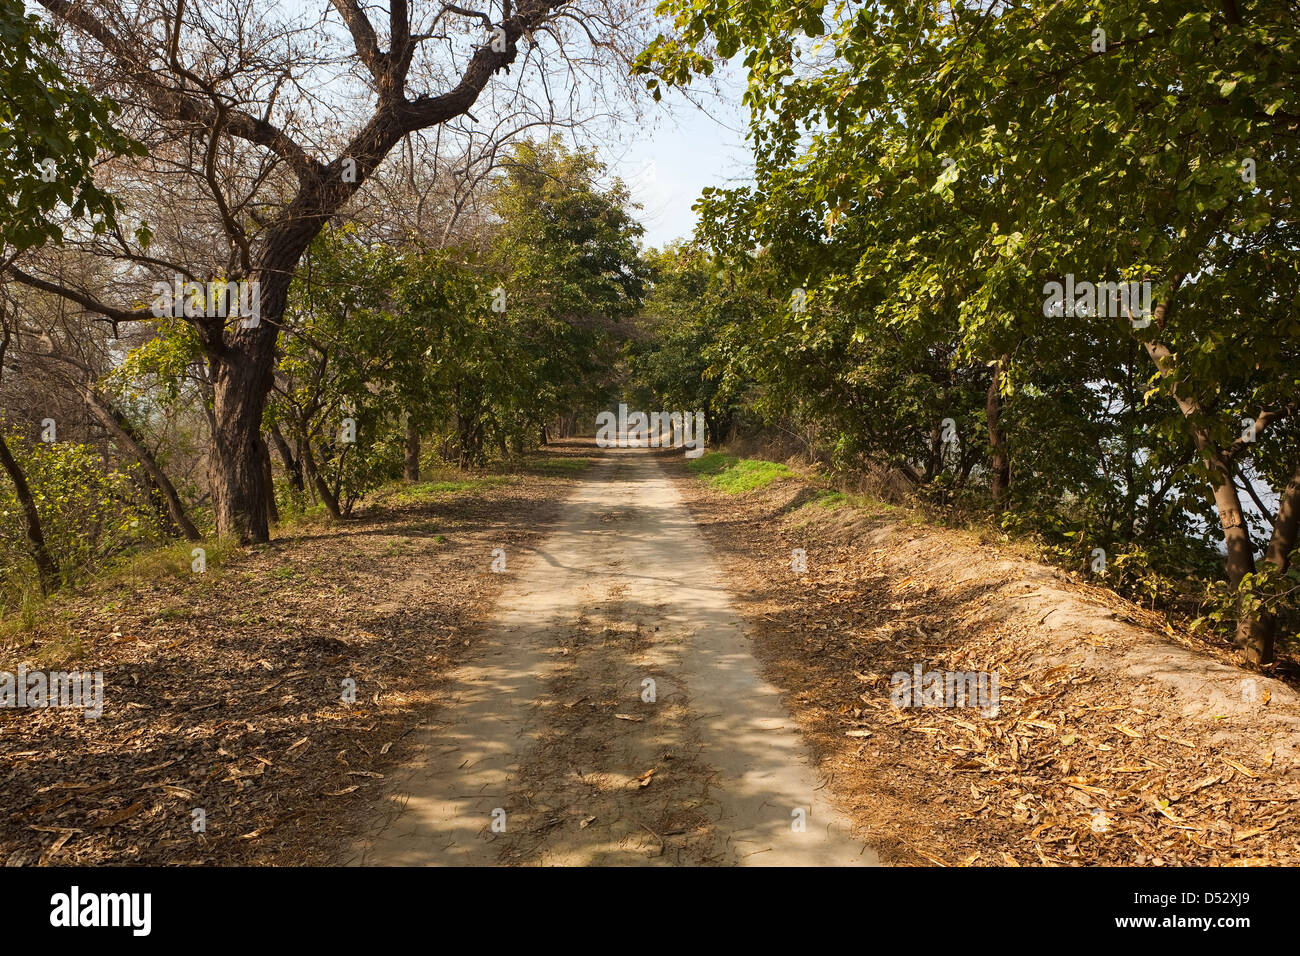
(1110,745)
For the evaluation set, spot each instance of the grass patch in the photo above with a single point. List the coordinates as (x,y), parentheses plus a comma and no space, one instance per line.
(558,466)
(45,626)
(735,475)
(828,499)
(433,489)
(175,560)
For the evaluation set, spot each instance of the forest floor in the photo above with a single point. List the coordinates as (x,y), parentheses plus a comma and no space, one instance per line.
(649,679)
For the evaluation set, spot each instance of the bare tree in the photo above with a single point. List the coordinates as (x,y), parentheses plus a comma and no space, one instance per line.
(270,127)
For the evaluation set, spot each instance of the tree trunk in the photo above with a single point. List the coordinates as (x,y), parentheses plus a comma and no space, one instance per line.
(124,434)
(46,568)
(317,481)
(241,381)
(292,466)
(411,466)
(1286,525)
(934,461)
(1001,466)
(272,510)
(1255,632)
(158,502)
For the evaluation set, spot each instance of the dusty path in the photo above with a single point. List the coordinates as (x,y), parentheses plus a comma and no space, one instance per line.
(554,747)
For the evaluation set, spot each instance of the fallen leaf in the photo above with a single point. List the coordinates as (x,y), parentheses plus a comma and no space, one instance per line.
(115,818)
(1239,768)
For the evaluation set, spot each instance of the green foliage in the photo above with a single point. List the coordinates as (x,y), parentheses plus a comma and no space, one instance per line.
(479,351)
(368,335)
(567,257)
(51,132)
(923,172)
(88,512)
(1267,589)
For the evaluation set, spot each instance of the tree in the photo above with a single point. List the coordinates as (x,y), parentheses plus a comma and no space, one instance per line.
(572,274)
(935,167)
(51,132)
(199,77)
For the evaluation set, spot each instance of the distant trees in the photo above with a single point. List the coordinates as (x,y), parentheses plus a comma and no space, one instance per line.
(477,348)
(261,128)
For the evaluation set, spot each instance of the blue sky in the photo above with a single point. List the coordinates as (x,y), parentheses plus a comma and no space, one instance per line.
(677,152)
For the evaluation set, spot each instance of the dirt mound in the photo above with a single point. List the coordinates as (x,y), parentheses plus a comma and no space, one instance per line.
(1115,740)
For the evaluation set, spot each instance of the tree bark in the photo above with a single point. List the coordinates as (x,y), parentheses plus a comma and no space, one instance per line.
(1286,524)
(411,466)
(292,466)
(317,480)
(272,510)
(1255,632)
(1001,465)
(124,434)
(46,568)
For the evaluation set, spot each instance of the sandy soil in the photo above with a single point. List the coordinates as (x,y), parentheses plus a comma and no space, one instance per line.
(222,690)
(1118,740)
(612,713)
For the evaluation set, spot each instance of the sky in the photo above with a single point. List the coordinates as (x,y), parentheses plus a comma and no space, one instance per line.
(677,152)
(667,155)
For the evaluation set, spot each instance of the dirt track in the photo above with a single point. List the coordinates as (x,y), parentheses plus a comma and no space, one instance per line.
(548,748)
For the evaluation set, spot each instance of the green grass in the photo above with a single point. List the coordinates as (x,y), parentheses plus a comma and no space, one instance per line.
(735,475)
(428,489)
(173,559)
(559,466)
(828,499)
